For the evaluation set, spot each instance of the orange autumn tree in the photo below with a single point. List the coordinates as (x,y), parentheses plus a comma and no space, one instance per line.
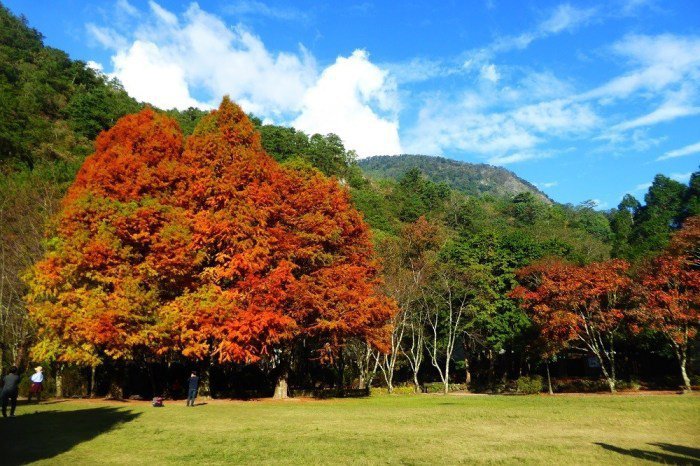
(670,290)
(97,291)
(207,247)
(584,304)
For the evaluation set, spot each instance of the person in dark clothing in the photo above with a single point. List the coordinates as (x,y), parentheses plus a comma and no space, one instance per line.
(9,392)
(192,387)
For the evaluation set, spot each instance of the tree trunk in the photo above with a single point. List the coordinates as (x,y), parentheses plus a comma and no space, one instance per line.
(468,375)
(416,384)
(282,387)
(686,379)
(610,380)
(611,384)
(549,379)
(93,369)
(447,377)
(59,380)
(684,374)
(206,390)
(341,371)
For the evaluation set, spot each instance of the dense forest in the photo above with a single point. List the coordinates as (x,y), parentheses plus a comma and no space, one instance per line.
(466,252)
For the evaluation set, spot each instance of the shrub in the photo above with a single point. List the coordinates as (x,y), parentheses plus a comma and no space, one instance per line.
(633,385)
(580,385)
(439,387)
(398,390)
(529,385)
(695,380)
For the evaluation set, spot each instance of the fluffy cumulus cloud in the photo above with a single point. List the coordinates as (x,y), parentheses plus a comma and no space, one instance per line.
(148,75)
(195,58)
(169,57)
(340,102)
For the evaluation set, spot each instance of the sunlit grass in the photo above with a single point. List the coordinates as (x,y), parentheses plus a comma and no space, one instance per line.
(388,429)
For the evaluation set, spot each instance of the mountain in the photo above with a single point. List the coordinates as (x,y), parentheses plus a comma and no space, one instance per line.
(470,178)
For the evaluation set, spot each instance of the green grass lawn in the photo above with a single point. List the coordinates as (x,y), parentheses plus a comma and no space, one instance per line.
(386,429)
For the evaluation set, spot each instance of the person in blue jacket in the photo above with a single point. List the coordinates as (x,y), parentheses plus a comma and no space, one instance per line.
(192,387)
(9,392)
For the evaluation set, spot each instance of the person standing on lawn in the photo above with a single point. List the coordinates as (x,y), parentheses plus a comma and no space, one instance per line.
(37,384)
(9,392)
(192,387)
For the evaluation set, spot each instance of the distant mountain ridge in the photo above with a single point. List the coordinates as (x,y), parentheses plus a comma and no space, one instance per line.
(470,178)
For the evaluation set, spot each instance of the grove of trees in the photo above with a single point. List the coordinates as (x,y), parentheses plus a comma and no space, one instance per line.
(137,244)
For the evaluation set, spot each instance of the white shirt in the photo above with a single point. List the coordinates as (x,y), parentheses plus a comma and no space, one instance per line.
(37,377)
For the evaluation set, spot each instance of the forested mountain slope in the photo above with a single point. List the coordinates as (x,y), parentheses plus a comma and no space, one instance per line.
(469,178)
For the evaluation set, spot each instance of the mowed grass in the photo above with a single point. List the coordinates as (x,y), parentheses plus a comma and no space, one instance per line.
(420,429)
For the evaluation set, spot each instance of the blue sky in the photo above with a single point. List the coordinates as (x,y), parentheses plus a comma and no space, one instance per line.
(588,100)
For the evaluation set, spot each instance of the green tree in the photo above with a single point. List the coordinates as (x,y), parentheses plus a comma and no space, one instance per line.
(662,213)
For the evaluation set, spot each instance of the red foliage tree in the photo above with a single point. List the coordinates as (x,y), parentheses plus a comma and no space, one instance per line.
(570,303)
(207,247)
(670,290)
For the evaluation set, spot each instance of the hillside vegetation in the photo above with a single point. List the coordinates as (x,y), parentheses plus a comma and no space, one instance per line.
(469,178)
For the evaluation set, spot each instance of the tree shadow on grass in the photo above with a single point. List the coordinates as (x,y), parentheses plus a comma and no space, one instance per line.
(45,434)
(671,454)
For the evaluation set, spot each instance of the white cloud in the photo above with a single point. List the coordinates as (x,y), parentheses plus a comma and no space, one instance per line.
(548,184)
(163,15)
(518,157)
(660,61)
(95,66)
(201,52)
(543,85)
(127,8)
(637,140)
(341,102)
(630,7)
(666,112)
(465,126)
(556,115)
(106,37)
(256,8)
(641,187)
(167,58)
(665,68)
(149,75)
(489,73)
(681,177)
(565,18)
(419,69)
(471,125)
(562,19)
(683,151)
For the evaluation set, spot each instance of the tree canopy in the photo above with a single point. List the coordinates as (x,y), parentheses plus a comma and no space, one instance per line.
(205,246)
